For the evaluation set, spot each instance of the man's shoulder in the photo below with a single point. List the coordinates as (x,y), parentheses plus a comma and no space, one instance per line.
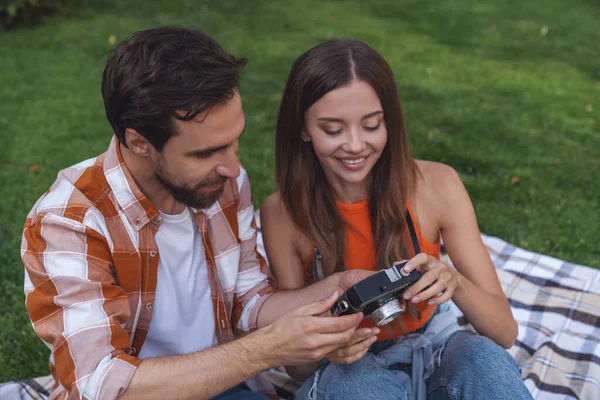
(76,191)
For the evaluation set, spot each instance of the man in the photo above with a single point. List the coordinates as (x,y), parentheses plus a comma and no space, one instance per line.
(141,264)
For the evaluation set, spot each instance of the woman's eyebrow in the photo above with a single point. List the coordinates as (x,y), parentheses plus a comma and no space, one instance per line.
(374,113)
(366,116)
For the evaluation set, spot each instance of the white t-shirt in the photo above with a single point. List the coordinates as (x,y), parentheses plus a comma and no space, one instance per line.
(183,317)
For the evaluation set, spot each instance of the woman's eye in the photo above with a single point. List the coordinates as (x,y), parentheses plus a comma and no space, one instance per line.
(372,128)
(336,132)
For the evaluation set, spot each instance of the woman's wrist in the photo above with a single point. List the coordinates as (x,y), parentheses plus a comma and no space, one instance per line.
(460,282)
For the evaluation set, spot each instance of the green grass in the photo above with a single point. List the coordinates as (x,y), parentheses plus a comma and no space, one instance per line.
(497,89)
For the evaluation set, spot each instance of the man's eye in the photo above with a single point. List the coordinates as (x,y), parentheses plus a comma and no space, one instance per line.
(372,128)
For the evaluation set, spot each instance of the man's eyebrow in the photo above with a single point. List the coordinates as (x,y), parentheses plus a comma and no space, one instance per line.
(208,151)
(330,119)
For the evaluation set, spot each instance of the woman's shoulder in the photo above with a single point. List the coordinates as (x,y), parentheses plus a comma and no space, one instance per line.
(282,236)
(274,213)
(436,180)
(437,191)
(272,209)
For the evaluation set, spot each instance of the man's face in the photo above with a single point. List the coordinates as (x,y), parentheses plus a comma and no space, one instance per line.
(202,155)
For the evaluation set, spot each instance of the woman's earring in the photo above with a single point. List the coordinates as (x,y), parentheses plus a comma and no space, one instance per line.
(304,136)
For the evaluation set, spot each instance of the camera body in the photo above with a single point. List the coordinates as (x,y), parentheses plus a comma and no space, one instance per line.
(378,295)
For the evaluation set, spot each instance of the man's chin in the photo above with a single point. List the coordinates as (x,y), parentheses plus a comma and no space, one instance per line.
(206,200)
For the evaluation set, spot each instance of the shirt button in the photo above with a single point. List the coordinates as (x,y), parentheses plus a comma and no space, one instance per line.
(133,350)
(137,222)
(152,253)
(148,306)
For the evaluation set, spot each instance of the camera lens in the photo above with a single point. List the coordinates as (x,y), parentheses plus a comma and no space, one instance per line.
(387,312)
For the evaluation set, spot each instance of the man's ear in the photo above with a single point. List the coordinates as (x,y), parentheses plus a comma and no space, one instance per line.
(137,143)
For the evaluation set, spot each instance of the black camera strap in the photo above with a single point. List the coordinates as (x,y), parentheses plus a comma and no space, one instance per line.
(413,234)
(317,264)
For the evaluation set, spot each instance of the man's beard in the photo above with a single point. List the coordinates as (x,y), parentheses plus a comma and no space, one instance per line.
(194,197)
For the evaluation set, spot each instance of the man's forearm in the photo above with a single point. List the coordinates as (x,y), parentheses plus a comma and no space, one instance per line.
(201,375)
(284,301)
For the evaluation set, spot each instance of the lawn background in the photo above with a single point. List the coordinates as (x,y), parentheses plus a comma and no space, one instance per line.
(504,91)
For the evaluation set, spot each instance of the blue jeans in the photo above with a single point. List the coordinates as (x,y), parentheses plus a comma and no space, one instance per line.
(240,392)
(471,367)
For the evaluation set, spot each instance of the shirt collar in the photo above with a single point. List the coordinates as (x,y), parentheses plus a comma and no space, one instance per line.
(135,205)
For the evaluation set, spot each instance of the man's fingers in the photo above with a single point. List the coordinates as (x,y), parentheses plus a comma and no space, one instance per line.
(360,274)
(321,306)
(336,324)
(353,276)
(336,340)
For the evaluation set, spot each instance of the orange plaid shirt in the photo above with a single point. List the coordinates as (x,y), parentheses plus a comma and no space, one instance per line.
(91,265)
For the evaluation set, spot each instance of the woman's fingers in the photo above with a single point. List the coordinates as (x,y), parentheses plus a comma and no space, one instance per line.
(441,298)
(426,280)
(433,290)
(420,259)
(362,334)
(348,354)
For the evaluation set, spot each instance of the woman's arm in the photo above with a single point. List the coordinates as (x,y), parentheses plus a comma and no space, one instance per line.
(283,243)
(477,290)
(279,237)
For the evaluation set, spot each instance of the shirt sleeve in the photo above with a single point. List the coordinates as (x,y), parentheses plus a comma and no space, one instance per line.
(76,308)
(255,282)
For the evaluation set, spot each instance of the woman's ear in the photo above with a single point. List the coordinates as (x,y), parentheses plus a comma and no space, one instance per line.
(305,137)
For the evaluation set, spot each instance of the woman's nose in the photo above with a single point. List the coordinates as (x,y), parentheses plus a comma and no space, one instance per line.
(354,144)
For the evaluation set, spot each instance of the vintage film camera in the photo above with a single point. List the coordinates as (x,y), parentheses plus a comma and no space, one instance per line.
(377,296)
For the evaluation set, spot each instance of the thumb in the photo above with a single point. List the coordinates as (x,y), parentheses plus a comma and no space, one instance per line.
(354,276)
(321,306)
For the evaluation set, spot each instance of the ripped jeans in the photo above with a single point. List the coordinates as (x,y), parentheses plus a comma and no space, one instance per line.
(464,366)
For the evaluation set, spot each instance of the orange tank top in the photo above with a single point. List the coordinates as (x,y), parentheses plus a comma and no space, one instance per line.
(361,255)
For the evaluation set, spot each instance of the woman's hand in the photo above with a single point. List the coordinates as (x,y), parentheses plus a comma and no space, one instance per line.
(358,346)
(437,283)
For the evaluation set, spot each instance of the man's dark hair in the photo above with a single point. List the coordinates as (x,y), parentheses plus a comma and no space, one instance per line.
(163,73)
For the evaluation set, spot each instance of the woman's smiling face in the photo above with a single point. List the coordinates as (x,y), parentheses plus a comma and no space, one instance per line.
(348,133)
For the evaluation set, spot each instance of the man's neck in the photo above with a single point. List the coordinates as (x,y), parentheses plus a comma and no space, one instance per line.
(144,177)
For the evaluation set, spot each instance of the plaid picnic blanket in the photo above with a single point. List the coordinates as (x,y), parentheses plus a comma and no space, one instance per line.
(557,307)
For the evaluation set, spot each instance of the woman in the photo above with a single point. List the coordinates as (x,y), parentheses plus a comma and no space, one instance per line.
(351,196)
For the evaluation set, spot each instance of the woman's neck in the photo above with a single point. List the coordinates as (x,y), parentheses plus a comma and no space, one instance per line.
(350,193)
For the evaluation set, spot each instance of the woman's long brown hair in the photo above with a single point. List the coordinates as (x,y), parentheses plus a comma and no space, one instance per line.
(304,190)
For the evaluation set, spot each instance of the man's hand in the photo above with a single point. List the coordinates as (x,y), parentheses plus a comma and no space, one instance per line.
(285,301)
(302,337)
(349,278)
